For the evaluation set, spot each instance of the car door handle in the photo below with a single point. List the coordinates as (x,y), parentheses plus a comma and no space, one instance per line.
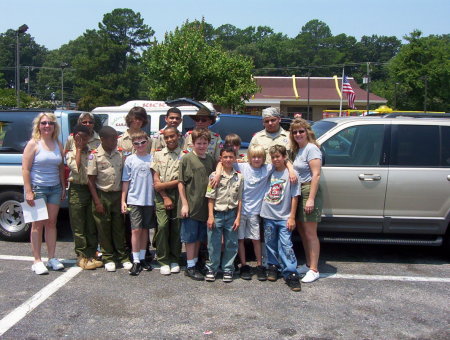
(369,177)
(448,178)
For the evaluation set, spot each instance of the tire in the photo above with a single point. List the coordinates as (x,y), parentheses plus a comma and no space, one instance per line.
(12,225)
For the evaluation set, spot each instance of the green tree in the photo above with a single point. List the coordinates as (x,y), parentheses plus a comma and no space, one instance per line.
(31,54)
(424,61)
(186,65)
(108,69)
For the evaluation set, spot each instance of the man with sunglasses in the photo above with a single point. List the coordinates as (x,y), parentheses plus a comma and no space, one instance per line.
(85,119)
(203,119)
(272,134)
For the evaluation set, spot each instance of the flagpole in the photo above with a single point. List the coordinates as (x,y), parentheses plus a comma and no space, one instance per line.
(342,88)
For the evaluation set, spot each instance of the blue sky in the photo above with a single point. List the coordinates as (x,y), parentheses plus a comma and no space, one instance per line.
(53,23)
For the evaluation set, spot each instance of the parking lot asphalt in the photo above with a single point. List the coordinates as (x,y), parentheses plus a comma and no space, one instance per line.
(365,292)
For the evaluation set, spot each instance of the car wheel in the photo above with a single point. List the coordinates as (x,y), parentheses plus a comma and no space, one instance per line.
(12,225)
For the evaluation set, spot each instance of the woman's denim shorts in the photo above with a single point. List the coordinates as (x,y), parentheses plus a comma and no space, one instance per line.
(50,194)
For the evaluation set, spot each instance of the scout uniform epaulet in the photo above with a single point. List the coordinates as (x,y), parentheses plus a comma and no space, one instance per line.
(119,149)
(185,151)
(71,134)
(94,151)
(216,134)
(161,131)
(237,171)
(158,149)
(241,155)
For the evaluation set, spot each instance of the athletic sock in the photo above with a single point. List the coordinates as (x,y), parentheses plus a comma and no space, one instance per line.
(195,260)
(136,256)
(190,263)
(142,253)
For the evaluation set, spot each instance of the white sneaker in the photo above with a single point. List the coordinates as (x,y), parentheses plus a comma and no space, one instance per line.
(110,267)
(303,269)
(39,268)
(55,264)
(127,265)
(174,268)
(165,270)
(310,276)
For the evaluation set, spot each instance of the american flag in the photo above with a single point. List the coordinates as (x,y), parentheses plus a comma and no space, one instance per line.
(347,89)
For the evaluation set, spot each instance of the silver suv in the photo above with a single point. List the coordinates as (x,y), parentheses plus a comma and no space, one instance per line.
(15,131)
(385,180)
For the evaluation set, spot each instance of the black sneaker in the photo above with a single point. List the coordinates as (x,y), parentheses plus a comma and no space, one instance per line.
(261,273)
(272,273)
(293,281)
(136,269)
(210,276)
(146,265)
(246,272)
(227,277)
(201,267)
(194,274)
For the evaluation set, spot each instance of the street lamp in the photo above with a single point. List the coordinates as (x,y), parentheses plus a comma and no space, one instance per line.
(21,29)
(63,66)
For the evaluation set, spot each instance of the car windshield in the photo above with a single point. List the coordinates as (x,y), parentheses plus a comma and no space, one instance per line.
(15,130)
(321,127)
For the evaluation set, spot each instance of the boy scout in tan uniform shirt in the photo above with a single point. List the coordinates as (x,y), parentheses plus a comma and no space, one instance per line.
(107,167)
(80,210)
(158,142)
(93,143)
(227,197)
(166,164)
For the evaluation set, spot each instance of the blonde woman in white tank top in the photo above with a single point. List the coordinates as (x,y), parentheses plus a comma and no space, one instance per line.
(43,177)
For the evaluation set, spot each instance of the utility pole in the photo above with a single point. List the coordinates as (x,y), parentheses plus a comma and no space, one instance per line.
(368,87)
(21,29)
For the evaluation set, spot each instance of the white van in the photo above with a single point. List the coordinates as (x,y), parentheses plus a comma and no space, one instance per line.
(114,116)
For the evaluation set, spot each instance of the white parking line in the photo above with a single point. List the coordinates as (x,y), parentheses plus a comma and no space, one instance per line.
(28,306)
(384,277)
(30,259)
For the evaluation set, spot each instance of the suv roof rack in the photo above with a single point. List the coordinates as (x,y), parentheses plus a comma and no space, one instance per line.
(417,115)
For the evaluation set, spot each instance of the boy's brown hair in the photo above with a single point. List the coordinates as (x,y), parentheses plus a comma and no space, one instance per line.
(278,148)
(233,139)
(200,133)
(138,135)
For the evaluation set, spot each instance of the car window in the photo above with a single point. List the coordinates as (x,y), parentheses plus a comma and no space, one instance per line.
(354,146)
(445,146)
(243,126)
(187,125)
(15,130)
(321,127)
(415,145)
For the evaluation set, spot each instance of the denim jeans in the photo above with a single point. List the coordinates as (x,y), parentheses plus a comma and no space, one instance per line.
(223,226)
(279,246)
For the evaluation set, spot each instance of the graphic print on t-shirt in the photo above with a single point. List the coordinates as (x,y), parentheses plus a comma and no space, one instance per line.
(276,191)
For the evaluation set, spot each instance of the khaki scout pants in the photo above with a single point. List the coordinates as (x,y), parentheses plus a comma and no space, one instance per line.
(111,227)
(82,221)
(167,238)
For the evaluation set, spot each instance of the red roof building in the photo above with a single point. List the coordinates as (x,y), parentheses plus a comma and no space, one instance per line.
(292,95)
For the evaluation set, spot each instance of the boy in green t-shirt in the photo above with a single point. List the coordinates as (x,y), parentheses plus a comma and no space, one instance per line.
(193,177)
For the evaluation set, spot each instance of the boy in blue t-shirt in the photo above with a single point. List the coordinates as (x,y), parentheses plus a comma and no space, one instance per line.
(278,212)
(138,199)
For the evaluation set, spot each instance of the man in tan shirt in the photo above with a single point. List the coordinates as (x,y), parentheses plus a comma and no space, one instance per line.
(272,134)
(105,176)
